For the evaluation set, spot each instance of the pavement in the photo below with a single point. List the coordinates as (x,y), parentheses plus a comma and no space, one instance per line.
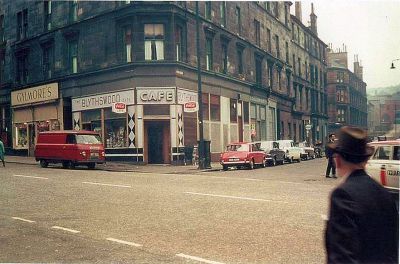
(127,167)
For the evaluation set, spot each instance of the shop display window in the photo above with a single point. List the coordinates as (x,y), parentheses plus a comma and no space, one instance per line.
(115,129)
(91,120)
(21,136)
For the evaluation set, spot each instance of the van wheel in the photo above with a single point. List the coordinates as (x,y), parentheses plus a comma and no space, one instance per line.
(44,164)
(224,167)
(71,165)
(91,166)
(65,164)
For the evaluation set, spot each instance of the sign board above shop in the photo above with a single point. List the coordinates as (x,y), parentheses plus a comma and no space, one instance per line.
(159,95)
(119,108)
(103,100)
(35,95)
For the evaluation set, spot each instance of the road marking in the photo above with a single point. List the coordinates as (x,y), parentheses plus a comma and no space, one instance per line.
(66,229)
(234,197)
(22,219)
(26,176)
(198,259)
(123,242)
(106,184)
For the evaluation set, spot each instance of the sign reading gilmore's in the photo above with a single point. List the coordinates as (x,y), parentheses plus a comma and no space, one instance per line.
(36,94)
(119,108)
(103,100)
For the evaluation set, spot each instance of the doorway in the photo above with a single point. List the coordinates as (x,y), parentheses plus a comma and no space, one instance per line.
(158,142)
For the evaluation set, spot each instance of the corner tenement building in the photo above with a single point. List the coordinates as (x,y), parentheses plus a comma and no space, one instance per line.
(64,63)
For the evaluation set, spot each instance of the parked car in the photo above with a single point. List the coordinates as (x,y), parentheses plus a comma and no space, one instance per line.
(384,165)
(318,149)
(243,154)
(309,151)
(275,155)
(70,148)
(291,152)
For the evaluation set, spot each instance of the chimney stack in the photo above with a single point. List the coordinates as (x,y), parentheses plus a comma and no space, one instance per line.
(313,20)
(297,6)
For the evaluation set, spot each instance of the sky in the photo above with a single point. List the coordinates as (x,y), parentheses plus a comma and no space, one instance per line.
(369,28)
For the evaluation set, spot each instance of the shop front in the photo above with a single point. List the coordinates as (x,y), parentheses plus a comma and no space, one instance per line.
(34,110)
(150,131)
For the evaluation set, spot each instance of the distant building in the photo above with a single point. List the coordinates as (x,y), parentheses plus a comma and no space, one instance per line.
(347,98)
(385,115)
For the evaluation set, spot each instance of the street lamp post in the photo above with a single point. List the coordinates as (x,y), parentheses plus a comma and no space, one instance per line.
(392,67)
(199,91)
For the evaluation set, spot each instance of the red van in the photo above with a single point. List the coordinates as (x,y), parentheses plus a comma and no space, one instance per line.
(70,148)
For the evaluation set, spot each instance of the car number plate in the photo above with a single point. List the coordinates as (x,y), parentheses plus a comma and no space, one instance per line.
(234,159)
(94,154)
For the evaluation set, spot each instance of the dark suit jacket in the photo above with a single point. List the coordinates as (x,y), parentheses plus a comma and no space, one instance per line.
(363,225)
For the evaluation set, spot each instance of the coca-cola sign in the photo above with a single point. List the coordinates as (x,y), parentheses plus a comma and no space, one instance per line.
(190,107)
(119,108)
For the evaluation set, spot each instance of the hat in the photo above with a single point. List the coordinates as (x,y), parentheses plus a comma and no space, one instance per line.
(352,142)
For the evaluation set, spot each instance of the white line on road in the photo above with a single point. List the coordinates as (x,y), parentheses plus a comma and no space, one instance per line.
(123,242)
(234,197)
(26,176)
(197,259)
(66,229)
(106,184)
(22,219)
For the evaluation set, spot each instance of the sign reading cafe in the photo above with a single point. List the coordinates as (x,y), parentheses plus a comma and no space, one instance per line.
(36,94)
(102,100)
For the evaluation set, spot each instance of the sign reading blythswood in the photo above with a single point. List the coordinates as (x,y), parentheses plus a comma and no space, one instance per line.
(190,107)
(119,108)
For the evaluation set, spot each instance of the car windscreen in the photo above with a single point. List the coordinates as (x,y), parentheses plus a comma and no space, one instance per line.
(88,139)
(238,147)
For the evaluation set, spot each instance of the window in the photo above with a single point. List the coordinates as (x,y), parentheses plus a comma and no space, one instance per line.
(47,61)
(257,32)
(208,10)
(299,65)
(382,153)
(2,29)
(240,60)
(340,77)
(154,41)
(340,95)
(73,55)
(128,43)
(179,48)
(275,8)
(396,153)
(2,65)
(270,74)
(91,120)
(306,68)
(294,63)
(282,130)
(286,16)
(290,129)
(238,19)
(73,11)
(224,58)
(22,69)
(206,106)
(222,8)
(215,112)
(22,24)
(269,45)
(115,129)
(47,15)
(341,115)
(209,54)
(246,112)
(279,79)
(258,70)
(287,51)
(233,111)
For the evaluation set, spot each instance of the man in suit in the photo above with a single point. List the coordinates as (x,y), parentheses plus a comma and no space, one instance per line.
(329,156)
(363,225)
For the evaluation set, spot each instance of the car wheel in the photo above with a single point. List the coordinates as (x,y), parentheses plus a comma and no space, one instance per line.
(224,167)
(298,160)
(71,165)
(274,162)
(264,163)
(291,160)
(91,166)
(65,164)
(251,164)
(44,164)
